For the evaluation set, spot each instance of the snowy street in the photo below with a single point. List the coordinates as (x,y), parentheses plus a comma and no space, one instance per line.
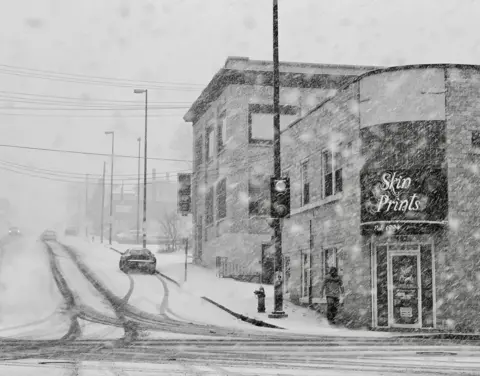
(88,307)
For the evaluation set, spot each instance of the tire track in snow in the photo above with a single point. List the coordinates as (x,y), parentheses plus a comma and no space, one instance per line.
(74,330)
(91,315)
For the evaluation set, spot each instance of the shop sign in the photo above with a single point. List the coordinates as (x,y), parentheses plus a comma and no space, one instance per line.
(404,195)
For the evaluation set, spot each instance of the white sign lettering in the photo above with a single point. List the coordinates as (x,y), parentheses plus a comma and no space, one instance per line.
(392,187)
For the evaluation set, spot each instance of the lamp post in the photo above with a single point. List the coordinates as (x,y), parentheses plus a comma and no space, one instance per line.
(111,185)
(144,229)
(139,139)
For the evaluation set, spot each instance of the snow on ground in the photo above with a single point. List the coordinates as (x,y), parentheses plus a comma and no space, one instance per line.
(239,297)
(148,290)
(31,303)
(84,292)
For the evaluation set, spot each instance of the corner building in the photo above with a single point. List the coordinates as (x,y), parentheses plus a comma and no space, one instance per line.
(385,185)
(232,124)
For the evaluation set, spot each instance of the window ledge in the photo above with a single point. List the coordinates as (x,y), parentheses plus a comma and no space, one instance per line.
(317,203)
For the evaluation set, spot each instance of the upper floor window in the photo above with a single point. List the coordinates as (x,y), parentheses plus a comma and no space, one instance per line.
(222,199)
(332,173)
(199,151)
(221,132)
(210,143)
(259,196)
(260,121)
(304,184)
(209,210)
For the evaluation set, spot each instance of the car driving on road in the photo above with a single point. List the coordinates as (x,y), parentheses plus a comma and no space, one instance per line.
(14,231)
(138,258)
(48,235)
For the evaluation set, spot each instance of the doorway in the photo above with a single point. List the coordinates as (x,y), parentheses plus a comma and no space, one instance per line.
(404,288)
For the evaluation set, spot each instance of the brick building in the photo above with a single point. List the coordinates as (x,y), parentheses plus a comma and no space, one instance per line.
(385,178)
(233,130)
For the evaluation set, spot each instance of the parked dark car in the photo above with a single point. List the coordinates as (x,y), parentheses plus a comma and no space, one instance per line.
(14,231)
(48,235)
(138,258)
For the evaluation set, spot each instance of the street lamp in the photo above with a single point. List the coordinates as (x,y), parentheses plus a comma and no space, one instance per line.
(144,91)
(111,184)
(139,139)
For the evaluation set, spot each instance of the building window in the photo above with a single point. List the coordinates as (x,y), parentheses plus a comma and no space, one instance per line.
(305,277)
(259,196)
(210,144)
(332,173)
(476,139)
(287,272)
(199,151)
(209,207)
(222,199)
(330,259)
(221,132)
(260,121)
(304,184)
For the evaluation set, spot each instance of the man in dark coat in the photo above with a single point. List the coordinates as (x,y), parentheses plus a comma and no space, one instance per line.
(333,287)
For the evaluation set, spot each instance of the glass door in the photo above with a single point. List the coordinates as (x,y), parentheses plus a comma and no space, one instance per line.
(404,289)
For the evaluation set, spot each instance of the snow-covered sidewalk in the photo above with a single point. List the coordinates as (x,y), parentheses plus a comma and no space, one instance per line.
(239,297)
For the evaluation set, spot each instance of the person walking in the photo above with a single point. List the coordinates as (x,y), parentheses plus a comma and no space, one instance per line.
(333,288)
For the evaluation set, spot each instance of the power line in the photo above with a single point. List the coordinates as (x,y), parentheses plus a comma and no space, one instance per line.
(86,116)
(97,108)
(98,77)
(64,180)
(91,153)
(58,98)
(95,80)
(69,174)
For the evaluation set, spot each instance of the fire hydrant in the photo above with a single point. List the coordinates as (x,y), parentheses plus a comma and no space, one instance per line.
(261,299)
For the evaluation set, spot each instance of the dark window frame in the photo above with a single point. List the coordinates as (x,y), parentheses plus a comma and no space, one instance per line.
(333,180)
(221,197)
(257,196)
(199,151)
(221,129)
(208,157)
(209,207)
(304,183)
(267,109)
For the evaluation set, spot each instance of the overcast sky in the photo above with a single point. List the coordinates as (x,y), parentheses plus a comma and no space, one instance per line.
(177,42)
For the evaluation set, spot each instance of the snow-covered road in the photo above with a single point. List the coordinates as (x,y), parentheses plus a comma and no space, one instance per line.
(31,305)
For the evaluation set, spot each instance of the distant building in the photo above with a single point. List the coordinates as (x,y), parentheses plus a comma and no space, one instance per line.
(161,199)
(233,129)
(385,178)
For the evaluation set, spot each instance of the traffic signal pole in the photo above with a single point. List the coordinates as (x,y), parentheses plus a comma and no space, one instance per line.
(277,171)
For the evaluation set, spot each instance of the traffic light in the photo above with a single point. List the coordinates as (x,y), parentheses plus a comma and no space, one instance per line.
(279,197)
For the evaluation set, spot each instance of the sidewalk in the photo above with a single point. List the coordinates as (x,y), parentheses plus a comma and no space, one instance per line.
(239,297)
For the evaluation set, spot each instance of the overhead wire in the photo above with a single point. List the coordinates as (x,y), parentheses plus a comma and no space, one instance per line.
(95,80)
(92,153)
(69,174)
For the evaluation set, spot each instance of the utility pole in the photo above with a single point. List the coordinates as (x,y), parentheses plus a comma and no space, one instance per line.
(277,171)
(138,189)
(144,91)
(86,206)
(103,202)
(111,185)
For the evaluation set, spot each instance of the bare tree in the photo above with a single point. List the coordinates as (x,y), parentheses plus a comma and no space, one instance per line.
(170,224)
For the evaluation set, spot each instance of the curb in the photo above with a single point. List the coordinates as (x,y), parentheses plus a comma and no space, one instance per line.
(451,336)
(243,317)
(229,311)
